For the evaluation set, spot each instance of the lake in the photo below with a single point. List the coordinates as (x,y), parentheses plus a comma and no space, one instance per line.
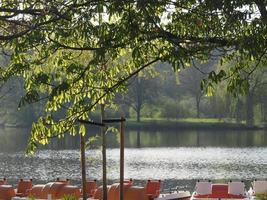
(178,158)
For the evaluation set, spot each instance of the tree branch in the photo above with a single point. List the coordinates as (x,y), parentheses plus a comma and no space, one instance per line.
(262,8)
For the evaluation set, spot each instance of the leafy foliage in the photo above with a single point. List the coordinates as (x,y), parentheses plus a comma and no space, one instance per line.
(77,54)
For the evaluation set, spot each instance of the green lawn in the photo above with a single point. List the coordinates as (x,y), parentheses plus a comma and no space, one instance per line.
(192,120)
(187,123)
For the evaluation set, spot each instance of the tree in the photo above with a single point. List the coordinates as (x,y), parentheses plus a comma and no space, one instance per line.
(262,96)
(238,109)
(191,79)
(254,84)
(47,41)
(256,94)
(67,55)
(142,89)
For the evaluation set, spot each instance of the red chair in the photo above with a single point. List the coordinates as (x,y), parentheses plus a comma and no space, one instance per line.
(68,190)
(7,192)
(152,188)
(66,181)
(3,181)
(24,186)
(36,191)
(91,187)
(128,182)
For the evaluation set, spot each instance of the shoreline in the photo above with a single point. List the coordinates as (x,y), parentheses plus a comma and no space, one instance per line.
(187,125)
(174,124)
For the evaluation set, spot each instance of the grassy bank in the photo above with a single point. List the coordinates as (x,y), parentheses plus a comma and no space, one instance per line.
(188,123)
(173,124)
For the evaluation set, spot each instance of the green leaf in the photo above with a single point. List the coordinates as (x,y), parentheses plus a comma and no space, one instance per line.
(82,130)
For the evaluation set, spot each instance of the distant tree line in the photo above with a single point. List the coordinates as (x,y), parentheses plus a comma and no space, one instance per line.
(160,93)
(179,95)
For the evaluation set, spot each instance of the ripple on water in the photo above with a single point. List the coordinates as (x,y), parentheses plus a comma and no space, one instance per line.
(160,163)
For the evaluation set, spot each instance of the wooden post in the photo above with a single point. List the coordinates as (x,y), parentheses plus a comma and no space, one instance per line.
(104,156)
(122,129)
(82,146)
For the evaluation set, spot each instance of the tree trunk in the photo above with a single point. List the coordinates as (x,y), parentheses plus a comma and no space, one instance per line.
(82,146)
(122,129)
(265,113)
(228,101)
(213,100)
(138,99)
(104,156)
(250,114)
(238,111)
(138,114)
(198,106)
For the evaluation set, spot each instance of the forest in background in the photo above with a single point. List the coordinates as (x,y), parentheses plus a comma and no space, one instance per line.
(160,94)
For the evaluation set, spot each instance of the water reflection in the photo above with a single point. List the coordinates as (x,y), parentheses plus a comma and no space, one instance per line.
(195,138)
(178,157)
(13,139)
(172,165)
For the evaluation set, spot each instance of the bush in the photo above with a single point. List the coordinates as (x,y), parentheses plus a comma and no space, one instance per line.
(177,109)
(31,198)
(69,197)
(261,196)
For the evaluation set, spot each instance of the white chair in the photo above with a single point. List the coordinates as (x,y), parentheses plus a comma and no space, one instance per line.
(259,186)
(236,188)
(203,187)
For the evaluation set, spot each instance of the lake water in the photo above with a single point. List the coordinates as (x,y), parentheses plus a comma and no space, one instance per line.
(176,157)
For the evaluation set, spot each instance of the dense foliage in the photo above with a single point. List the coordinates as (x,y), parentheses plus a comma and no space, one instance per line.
(179,95)
(159,93)
(77,53)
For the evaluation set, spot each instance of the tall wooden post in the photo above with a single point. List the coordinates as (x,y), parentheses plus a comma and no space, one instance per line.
(122,129)
(104,156)
(82,146)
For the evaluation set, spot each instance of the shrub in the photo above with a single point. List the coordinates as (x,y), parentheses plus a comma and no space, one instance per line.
(69,197)
(261,196)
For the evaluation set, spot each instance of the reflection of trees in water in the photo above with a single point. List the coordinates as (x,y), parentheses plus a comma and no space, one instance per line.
(197,138)
(14,139)
(138,139)
(198,142)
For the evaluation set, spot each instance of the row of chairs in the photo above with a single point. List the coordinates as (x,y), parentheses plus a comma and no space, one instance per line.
(234,187)
(24,187)
(152,188)
(259,186)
